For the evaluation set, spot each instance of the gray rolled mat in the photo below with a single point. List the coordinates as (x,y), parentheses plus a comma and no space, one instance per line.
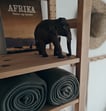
(22,93)
(62,85)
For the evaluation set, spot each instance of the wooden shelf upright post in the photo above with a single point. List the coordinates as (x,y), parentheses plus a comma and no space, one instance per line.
(83,36)
(52,9)
(51,12)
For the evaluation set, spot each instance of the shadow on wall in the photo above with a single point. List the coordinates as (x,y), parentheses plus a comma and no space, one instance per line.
(105,108)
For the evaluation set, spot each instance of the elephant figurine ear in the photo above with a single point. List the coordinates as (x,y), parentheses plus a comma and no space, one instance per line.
(62,20)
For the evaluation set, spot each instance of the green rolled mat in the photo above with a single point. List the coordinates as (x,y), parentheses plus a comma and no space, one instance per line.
(62,85)
(22,93)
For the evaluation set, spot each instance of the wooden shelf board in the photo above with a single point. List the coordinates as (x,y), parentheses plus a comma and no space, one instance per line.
(58,108)
(96,58)
(72,23)
(22,63)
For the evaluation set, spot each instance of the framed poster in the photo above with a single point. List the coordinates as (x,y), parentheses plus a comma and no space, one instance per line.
(20,18)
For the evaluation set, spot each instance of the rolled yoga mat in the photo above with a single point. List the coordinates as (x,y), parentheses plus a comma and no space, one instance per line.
(22,93)
(62,85)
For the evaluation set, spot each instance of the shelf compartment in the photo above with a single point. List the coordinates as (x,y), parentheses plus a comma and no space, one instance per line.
(58,108)
(22,63)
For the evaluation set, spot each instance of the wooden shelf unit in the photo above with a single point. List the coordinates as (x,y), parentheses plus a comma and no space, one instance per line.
(23,63)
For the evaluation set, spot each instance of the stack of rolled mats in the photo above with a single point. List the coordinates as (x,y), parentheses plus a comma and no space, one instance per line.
(22,93)
(30,92)
(62,86)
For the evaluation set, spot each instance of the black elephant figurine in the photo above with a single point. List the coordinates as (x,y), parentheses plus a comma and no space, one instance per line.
(49,31)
